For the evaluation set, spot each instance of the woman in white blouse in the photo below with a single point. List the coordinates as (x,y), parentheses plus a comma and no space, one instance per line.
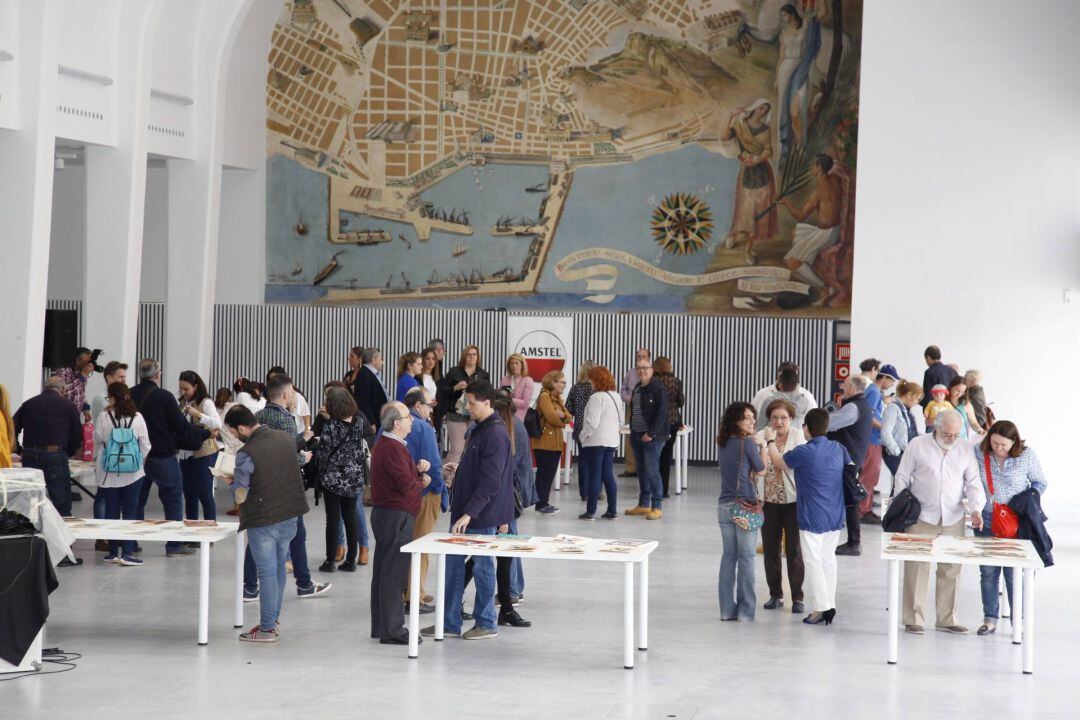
(196,404)
(120,490)
(599,438)
(777,488)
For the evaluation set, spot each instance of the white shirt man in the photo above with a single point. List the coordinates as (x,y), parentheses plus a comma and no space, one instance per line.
(940,471)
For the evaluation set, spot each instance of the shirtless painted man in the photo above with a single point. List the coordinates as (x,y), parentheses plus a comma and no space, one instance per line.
(808,240)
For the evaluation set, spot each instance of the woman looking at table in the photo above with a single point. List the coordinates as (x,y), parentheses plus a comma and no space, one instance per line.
(120,490)
(196,404)
(740,458)
(777,489)
(898,425)
(1012,467)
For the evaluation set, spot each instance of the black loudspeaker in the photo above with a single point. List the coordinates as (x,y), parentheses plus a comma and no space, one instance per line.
(61,338)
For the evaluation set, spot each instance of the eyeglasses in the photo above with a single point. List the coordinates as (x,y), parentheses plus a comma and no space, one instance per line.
(950,436)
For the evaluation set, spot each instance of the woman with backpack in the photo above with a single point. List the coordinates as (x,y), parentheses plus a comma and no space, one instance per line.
(121,444)
(199,408)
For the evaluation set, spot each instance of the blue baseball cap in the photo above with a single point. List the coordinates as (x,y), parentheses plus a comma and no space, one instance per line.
(889,371)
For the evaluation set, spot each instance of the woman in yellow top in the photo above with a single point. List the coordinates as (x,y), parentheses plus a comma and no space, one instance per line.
(7,429)
(548,448)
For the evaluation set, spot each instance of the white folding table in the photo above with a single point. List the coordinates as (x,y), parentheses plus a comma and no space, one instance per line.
(969,551)
(176,531)
(680,453)
(431,545)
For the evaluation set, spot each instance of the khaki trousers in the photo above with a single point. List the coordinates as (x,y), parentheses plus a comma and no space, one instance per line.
(917,576)
(630,464)
(430,509)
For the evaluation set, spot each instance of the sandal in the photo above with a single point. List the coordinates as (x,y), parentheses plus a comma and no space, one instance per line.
(987,628)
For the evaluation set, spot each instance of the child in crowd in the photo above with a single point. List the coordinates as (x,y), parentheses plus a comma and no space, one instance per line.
(936,405)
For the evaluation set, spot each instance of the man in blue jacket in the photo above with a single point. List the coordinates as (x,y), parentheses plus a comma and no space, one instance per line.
(435,498)
(481,502)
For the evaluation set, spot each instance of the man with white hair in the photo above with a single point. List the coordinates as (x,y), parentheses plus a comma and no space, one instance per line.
(940,471)
(851,426)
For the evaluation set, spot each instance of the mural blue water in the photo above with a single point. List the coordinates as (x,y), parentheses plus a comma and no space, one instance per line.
(608,207)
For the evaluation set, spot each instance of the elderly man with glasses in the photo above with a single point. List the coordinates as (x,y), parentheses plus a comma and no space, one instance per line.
(940,471)
(435,498)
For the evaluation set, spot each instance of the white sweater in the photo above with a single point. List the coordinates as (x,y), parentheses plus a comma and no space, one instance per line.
(603,418)
(103,428)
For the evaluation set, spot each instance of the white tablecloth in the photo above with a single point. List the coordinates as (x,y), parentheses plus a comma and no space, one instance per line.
(23,490)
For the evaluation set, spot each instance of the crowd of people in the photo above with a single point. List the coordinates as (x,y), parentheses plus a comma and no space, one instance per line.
(451,442)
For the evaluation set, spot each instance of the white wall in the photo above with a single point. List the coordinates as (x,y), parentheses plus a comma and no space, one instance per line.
(155,233)
(67,245)
(969,201)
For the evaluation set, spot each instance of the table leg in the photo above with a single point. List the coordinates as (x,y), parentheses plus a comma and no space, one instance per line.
(1016,608)
(238,606)
(440,600)
(677,458)
(1029,620)
(414,606)
(628,615)
(685,440)
(894,611)
(204,592)
(643,602)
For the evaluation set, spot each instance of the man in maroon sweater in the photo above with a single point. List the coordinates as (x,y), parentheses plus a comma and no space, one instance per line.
(395,495)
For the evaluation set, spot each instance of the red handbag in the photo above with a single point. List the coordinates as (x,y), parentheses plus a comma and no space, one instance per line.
(1004,523)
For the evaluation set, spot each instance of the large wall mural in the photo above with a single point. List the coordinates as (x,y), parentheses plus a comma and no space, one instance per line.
(661,155)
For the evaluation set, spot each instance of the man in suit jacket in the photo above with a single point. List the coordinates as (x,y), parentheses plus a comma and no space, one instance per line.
(368,390)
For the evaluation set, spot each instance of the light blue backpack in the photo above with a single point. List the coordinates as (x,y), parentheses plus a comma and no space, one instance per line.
(122,452)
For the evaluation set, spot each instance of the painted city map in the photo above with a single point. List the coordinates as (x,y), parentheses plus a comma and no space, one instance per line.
(664,155)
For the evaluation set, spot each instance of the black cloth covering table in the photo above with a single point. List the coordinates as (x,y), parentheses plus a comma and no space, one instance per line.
(26,580)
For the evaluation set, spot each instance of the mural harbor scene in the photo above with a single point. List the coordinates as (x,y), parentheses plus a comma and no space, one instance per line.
(679,156)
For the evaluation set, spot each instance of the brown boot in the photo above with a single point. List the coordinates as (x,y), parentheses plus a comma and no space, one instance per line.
(363,556)
(101,545)
(340,554)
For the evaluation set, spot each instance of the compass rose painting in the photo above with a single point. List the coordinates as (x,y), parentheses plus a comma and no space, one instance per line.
(648,155)
(682,224)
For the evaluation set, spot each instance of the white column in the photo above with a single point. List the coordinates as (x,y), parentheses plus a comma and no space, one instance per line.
(195,199)
(116,196)
(26,184)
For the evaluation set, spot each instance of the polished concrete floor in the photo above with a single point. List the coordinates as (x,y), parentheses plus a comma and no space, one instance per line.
(135,629)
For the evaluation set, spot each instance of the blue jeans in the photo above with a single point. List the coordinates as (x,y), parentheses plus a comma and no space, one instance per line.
(598,459)
(269,545)
(120,502)
(99,503)
(362,524)
(165,471)
(989,580)
(199,487)
(647,455)
(736,583)
(483,580)
(517,575)
(54,465)
(297,554)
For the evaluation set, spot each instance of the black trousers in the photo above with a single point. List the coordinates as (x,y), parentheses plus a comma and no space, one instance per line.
(781,523)
(854,532)
(665,457)
(336,506)
(392,529)
(502,581)
(54,465)
(547,464)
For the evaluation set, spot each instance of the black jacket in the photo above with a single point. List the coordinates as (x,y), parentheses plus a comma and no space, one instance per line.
(369,395)
(448,397)
(167,427)
(49,419)
(483,485)
(1028,506)
(937,374)
(654,405)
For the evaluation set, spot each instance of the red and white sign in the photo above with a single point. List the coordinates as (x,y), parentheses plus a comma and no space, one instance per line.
(544,342)
(842,352)
(841,371)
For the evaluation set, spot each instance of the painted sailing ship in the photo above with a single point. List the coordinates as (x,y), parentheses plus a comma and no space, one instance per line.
(460,249)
